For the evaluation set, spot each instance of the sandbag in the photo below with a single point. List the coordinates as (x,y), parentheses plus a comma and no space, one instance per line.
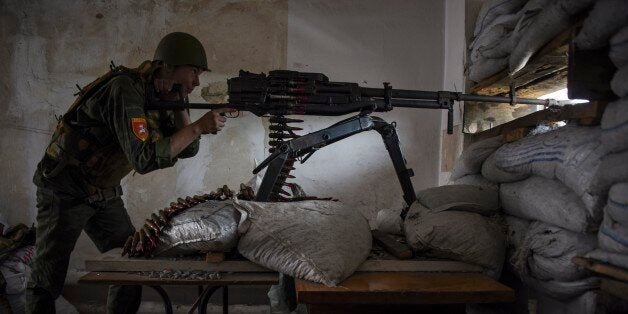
(614,125)
(457,235)
(562,290)
(619,83)
(492,9)
(493,173)
(617,206)
(618,52)
(553,19)
(549,201)
(503,48)
(517,230)
(571,154)
(613,236)
(471,159)
(389,220)
(469,198)
(207,227)
(606,19)
(494,32)
(484,68)
(476,180)
(547,250)
(320,241)
(612,258)
(612,170)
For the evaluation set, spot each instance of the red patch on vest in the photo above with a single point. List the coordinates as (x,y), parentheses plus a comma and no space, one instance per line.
(140,128)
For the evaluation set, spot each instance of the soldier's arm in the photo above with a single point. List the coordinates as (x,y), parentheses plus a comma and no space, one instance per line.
(124,115)
(182,119)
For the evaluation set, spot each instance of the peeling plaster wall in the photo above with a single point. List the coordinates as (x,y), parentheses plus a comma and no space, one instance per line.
(48,46)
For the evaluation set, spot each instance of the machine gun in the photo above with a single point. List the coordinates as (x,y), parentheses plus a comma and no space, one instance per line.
(283,93)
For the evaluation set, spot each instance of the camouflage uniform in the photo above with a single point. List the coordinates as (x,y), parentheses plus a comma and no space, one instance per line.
(98,142)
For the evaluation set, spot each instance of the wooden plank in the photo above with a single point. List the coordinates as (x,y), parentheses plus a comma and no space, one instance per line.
(399,250)
(161,264)
(214,257)
(417,266)
(407,288)
(125,264)
(602,268)
(112,278)
(548,63)
(568,112)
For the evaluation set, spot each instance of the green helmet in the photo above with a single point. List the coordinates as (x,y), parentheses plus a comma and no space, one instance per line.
(181,49)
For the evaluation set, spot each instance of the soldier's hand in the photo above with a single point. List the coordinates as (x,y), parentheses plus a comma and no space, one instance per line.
(213,121)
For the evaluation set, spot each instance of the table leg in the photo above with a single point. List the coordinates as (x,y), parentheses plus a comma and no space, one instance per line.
(208,293)
(225,299)
(164,296)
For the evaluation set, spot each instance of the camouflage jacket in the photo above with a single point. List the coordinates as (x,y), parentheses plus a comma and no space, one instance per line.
(106,137)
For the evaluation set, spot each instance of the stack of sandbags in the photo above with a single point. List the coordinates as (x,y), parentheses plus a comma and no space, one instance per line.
(508,32)
(458,222)
(468,167)
(496,20)
(560,181)
(607,24)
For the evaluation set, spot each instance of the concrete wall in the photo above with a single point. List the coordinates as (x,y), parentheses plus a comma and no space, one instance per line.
(48,46)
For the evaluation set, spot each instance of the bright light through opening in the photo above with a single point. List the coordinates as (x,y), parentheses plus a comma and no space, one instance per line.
(562,95)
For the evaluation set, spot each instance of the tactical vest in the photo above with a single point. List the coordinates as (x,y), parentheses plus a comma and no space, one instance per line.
(70,144)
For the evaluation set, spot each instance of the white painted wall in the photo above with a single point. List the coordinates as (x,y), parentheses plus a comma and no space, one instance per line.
(371,42)
(48,46)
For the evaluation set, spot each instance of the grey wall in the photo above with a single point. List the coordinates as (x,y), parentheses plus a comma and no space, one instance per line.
(48,46)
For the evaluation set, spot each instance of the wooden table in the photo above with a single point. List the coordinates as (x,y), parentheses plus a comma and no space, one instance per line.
(402,292)
(206,286)
(376,282)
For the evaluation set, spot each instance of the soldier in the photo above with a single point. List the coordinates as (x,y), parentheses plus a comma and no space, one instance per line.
(104,135)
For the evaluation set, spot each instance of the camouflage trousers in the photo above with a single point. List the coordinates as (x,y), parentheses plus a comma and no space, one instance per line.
(60,220)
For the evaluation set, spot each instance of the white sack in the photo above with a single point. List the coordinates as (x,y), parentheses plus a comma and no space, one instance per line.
(477,180)
(456,235)
(613,169)
(613,236)
(617,206)
(547,250)
(484,68)
(571,154)
(503,48)
(207,227)
(388,220)
(553,19)
(493,173)
(619,83)
(517,230)
(320,241)
(606,18)
(619,48)
(614,135)
(492,9)
(472,157)
(549,201)
(16,269)
(616,259)
(562,290)
(469,198)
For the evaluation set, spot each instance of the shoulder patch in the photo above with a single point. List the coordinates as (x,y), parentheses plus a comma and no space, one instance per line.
(140,128)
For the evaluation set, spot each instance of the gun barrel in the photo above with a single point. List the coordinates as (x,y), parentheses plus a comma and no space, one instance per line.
(434,96)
